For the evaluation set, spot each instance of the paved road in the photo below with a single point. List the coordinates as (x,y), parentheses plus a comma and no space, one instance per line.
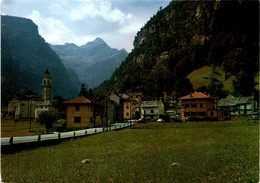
(62,135)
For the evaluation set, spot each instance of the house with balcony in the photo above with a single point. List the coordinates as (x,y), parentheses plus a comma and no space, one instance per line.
(237,107)
(152,109)
(198,105)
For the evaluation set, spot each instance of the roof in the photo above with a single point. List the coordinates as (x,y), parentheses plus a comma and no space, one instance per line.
(29,92)
(245,100)
(47,72)
(151,103)
(26,96)
(114,102)
(96,102)
(125,96)
(196,95)
(82,100)
(46,103)
(232,101)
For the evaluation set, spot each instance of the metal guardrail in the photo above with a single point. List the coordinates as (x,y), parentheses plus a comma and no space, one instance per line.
(61,135)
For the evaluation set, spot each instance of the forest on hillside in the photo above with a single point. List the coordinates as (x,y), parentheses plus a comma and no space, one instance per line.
(187,36)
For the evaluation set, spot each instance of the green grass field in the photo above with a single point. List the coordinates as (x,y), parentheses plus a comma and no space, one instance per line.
(167,152)
(21,128)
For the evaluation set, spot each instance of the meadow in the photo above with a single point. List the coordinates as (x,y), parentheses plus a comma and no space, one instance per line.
(10,128)
(226,151)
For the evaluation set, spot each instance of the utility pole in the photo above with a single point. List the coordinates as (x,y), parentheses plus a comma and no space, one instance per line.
(30,114)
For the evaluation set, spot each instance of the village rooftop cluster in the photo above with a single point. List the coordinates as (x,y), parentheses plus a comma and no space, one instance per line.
(86,112)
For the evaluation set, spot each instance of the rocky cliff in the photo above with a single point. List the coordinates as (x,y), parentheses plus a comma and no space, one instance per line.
(187,36)
(24,58)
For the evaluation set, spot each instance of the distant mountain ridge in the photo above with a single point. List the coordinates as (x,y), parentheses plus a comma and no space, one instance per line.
(24,58)
(93,62)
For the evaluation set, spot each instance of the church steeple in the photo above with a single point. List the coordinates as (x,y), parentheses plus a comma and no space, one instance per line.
(46,86)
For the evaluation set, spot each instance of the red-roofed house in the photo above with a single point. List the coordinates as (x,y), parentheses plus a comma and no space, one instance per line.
(82,111)
(198,105)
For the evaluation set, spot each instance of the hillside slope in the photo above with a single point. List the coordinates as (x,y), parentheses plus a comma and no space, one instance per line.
(186,36)
(25,57)
(93,62)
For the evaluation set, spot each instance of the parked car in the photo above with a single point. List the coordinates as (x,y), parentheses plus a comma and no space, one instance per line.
(160,120)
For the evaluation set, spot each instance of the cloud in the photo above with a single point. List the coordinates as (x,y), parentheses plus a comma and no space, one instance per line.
(102,8)
(55,32)
(130,27)
(56,8)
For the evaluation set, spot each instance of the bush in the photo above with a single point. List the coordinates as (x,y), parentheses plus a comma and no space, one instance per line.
(47,119)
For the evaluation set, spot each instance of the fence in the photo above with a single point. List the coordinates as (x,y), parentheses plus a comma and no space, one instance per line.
(61,135)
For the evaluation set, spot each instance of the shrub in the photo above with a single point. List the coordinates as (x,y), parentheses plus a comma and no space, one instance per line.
(47,119)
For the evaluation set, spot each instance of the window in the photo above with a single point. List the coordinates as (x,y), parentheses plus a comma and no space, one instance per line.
(46,107)
(127,114)
(152,111)
(77,119)
(201,113)
(211,113)
(201,105)
(127,107)
(77,107)
(193,114)
(193,105)
(186,113)
(187,106)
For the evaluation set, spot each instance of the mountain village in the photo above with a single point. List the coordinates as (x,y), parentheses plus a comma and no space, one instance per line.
(85,112)
(181,106)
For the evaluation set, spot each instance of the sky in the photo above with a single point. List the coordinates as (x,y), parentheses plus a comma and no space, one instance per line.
(81,21)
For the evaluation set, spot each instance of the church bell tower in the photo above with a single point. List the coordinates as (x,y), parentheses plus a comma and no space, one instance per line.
(46,86)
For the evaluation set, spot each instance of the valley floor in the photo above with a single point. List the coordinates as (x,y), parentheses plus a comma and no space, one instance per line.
(226,151)
(10,128)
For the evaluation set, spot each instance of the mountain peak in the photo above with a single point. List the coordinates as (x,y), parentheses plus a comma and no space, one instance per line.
(123,50)
(70,45)
(96,42)
(99,40)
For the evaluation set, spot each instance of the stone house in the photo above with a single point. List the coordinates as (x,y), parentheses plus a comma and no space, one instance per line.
(137,96)
(236,107)
(152,109)
(198,105)
(113,108)
(112,112)
(127,106)
(82,111)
